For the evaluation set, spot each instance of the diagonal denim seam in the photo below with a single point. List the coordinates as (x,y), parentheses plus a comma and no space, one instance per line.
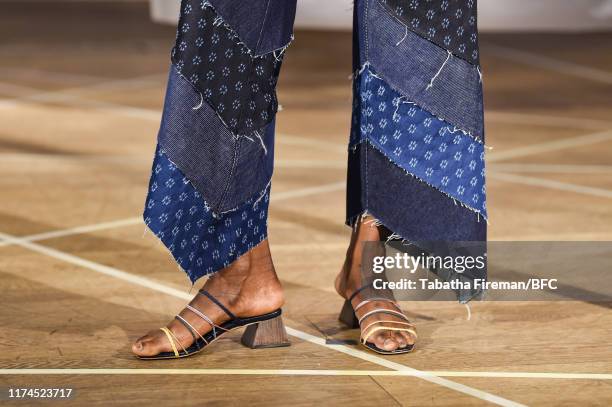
(263,23)
(238,139)
(455,200)
(367,67)
(252,55)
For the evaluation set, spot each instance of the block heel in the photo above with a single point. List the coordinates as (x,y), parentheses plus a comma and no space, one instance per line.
(270,333)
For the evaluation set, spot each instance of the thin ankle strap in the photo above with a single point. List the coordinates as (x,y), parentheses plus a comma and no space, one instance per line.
(360,289)
(218,303)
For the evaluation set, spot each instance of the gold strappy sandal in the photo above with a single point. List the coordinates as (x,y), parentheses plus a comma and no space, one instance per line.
(263,331)
(348,316)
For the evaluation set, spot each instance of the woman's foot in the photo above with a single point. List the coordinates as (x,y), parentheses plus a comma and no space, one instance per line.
(350,280)
(248,287)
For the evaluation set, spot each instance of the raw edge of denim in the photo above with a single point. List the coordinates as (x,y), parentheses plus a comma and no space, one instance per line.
(368,66)
(455,200)
(392,14)
(193,279)
(352,221)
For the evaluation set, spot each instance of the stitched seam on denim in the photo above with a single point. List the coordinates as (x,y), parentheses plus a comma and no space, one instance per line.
(457,201)
(392,85)
(230,177)
(367,35)
(392,14)
(263,23)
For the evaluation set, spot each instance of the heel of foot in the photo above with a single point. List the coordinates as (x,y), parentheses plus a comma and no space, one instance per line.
(266,334)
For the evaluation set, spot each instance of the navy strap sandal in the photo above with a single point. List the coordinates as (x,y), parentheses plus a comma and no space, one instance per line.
(348,317)
(263,331)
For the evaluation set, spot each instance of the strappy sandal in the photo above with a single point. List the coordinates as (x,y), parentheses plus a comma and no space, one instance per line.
(263,331)
(348,316)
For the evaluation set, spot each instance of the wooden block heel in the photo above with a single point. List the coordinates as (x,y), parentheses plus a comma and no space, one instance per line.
(266,334)
(347,316)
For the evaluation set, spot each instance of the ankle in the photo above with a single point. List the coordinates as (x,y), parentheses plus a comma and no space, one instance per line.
(250,285)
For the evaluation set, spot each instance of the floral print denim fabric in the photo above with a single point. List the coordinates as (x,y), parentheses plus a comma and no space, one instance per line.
(200,242)
(416,156)
(451,24)
(447,86)
(238,85)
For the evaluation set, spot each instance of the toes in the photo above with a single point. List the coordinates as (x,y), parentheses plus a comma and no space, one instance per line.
(148,345)
(385,340)
(400,339)
(408,337)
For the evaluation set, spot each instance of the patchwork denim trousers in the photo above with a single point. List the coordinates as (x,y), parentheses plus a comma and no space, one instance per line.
(415,151)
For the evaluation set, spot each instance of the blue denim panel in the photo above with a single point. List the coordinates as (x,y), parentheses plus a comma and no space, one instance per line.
(200,243)
(263,25)
(240,87)
(409,63)
(404,204)
(420,143)
(226,169)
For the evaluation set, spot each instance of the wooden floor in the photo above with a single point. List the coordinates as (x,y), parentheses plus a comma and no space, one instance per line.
(81,88)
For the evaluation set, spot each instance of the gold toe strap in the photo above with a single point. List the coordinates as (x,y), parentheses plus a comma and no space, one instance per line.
(367,332)
(173,341)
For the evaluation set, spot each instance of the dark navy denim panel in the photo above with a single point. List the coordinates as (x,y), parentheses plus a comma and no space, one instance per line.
(226,169)
(410,64)
(420,143)
(263,25)
(407,206)
(239,86)
(200,243)
(253,168)
(451,24)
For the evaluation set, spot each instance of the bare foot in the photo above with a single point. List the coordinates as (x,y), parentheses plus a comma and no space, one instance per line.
(248,287)
(349,280)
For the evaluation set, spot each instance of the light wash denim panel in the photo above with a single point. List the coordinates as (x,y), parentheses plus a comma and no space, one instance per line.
(200,242)
(226,169)
(409,63)
(263,25)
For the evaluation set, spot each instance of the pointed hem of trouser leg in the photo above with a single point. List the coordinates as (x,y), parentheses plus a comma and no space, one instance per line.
(464,295)
(200,242)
